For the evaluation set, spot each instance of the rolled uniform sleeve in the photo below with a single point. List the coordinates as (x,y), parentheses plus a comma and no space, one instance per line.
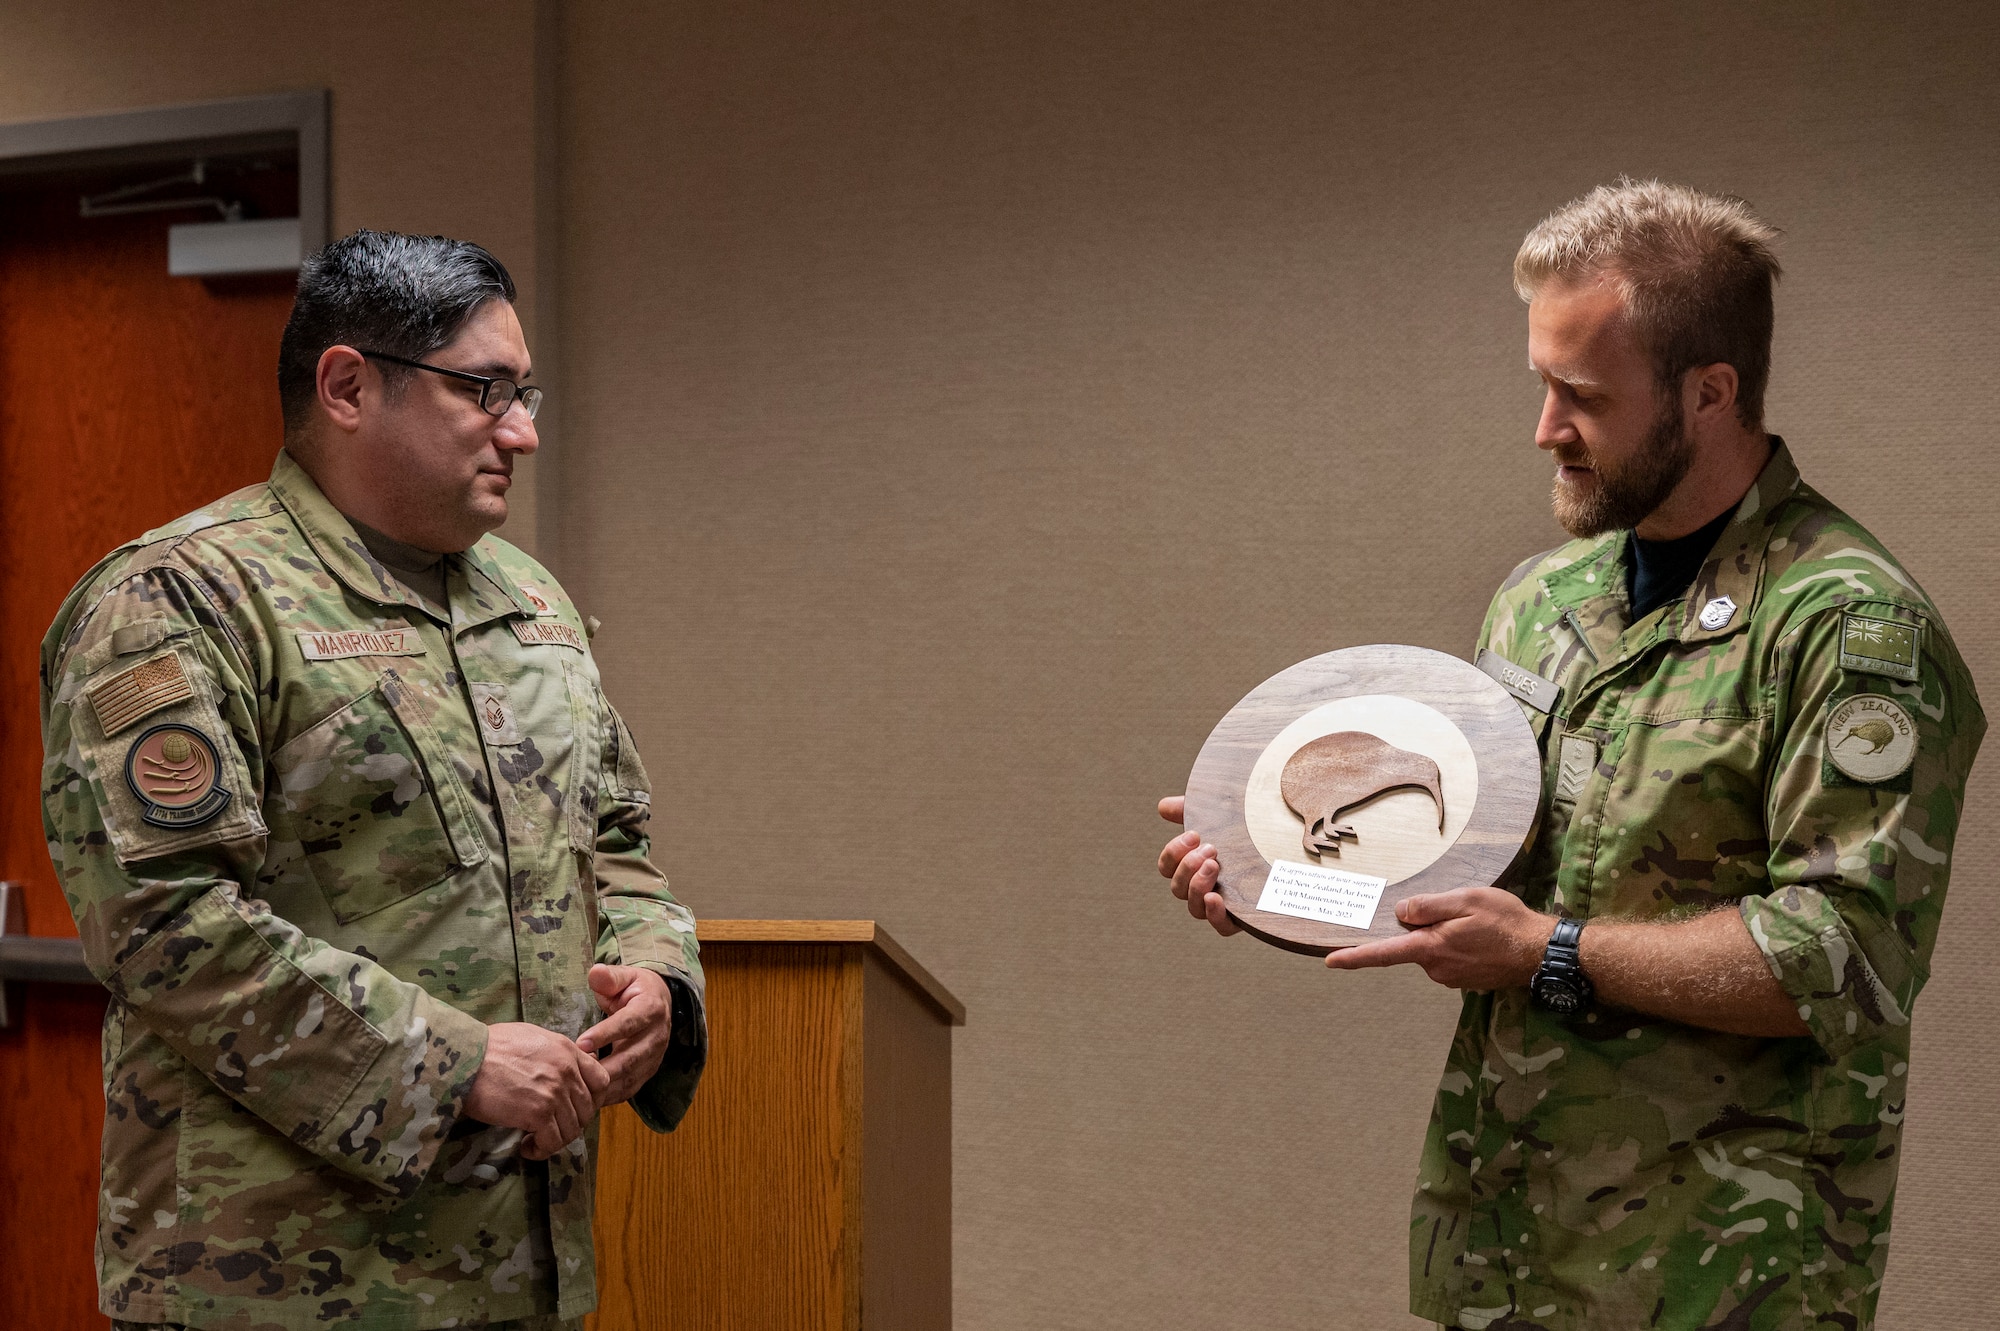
(641,924)
(1858,867)
(348,1062)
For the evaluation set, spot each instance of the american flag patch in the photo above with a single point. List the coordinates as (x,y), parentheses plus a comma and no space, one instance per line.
(137,693)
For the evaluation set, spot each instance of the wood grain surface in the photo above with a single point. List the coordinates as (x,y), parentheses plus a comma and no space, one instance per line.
(1397,833)
(809,1186)
(840,931)
(905,1157)
(746,1215)
(127,397)
(1392,691)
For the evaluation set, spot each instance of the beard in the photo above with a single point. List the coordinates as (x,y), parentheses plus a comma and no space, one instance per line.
(1624,495)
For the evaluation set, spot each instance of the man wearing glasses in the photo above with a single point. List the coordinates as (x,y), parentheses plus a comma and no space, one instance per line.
(357,844)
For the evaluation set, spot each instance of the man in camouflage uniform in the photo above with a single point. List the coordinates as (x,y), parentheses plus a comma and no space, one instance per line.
(357,844)
(1752,779)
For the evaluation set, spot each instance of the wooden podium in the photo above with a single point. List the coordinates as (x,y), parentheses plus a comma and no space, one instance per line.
(810,1184)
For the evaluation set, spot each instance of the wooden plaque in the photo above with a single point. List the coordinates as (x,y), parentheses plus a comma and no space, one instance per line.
(1339,763)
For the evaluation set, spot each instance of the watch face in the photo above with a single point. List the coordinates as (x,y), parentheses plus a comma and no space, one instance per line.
(1558,995)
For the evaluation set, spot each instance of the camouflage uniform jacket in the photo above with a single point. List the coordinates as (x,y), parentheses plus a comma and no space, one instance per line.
(316,839)
(1789,740)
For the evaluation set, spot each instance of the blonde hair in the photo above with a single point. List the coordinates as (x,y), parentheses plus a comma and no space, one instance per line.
(1695,272)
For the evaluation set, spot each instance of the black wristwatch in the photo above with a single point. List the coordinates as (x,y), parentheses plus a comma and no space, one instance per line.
(1560,986)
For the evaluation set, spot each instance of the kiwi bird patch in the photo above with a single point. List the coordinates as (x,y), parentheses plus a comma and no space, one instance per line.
(1870,738)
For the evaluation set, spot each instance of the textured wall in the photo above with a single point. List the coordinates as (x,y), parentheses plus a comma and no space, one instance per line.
(952,386)
(948,386)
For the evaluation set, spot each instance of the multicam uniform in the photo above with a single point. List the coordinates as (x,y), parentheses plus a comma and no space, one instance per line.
(1789,740)
(316,838)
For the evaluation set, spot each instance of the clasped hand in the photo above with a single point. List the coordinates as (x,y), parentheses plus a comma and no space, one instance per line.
(1470,938)
(549,1086)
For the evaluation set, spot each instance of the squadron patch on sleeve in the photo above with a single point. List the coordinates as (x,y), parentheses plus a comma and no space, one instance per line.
(1878,646)
(175,772)
(132,695)
(1870,738)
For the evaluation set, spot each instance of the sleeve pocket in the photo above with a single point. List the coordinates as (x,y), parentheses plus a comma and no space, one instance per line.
(167,772)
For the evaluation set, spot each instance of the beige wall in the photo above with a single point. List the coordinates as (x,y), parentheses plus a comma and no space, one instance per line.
(972,401)
(966,404)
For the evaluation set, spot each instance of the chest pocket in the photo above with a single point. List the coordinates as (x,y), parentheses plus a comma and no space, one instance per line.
(374,802)
(1681,824)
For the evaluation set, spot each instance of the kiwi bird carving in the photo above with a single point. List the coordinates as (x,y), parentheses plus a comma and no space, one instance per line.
(1338,771)
(1878,734)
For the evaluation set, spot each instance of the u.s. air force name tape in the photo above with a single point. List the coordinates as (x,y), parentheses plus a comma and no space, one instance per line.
(538,632)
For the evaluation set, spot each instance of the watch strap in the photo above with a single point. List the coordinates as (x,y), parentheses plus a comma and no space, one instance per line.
(1562,970)
(1569,932)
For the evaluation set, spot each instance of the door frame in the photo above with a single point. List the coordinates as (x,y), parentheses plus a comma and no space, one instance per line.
(148,134)
(167,132)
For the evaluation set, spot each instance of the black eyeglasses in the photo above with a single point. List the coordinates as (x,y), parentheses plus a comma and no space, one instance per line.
(495,395)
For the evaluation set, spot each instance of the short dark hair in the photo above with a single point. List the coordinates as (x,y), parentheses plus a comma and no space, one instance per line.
(383,291)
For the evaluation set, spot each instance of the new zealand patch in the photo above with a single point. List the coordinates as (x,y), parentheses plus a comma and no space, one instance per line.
(1878,646)
(1870,739)
(175,772)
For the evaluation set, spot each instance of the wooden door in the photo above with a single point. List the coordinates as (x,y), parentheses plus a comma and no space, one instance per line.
(127,397)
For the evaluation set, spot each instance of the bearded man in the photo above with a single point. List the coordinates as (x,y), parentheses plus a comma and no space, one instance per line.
(1675,1097)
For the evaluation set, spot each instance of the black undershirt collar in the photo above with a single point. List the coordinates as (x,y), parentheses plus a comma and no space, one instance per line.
(1662,571)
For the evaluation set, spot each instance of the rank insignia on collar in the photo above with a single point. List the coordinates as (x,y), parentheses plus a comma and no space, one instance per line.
(1717,613)
(175,772)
